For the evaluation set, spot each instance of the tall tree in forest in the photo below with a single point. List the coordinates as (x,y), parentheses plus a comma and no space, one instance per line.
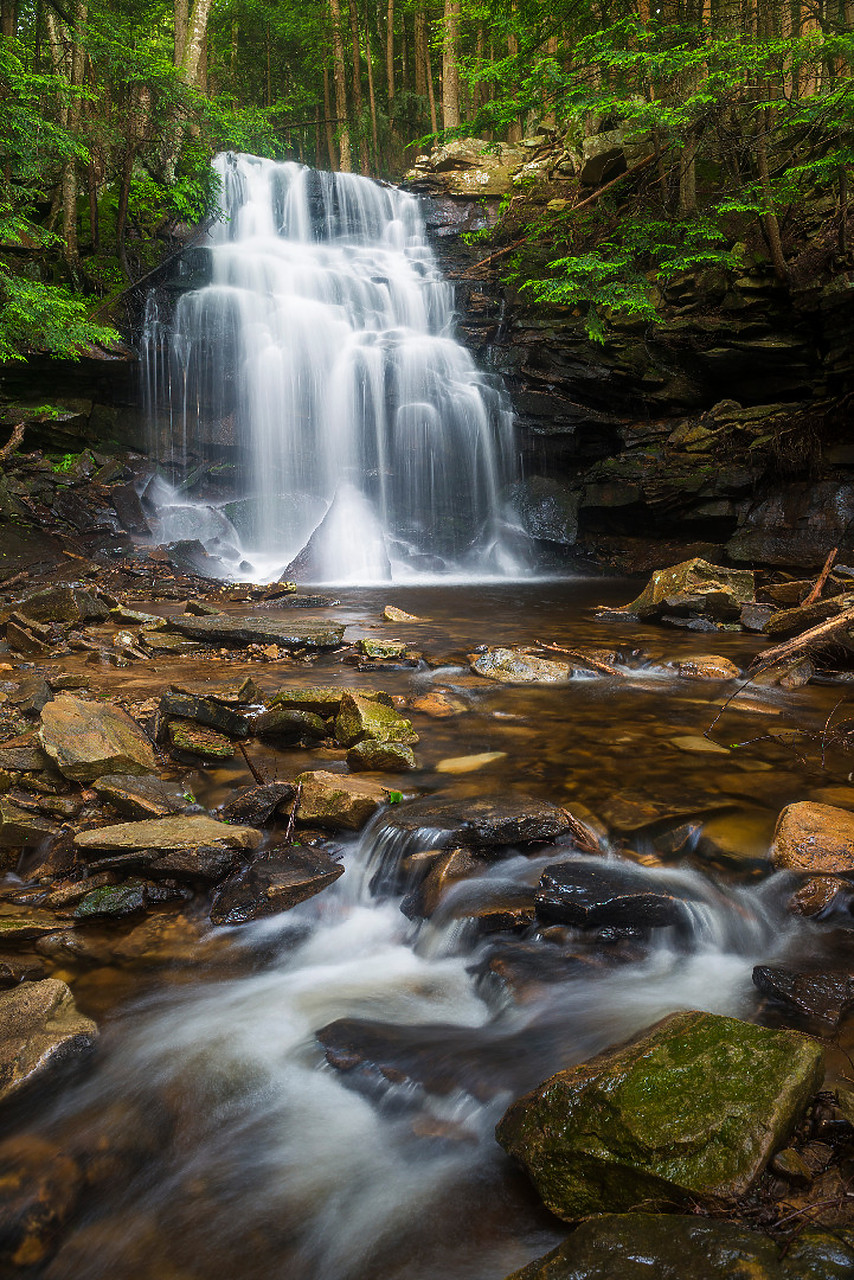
(451,66)
(339,76)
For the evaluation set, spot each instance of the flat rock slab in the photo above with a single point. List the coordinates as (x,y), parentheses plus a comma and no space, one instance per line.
(825,997)
(239,631)
(273,884)
(207,711)
(28,925)
(814,838)
(483,823)
(141,797)
(40,1027)
(89,739)
(646,1246)
(691,1111)
(179,832)
(338,801)
(609,894)
(19,828)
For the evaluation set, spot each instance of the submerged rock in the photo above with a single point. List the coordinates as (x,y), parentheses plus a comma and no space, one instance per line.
(338,801)
(510,666)
(379,757)
(361,717)
(40,1028)
(484,822)
(381,648)
(238,632)
(90,739)
(282,880)
(39,1188)
(391,613)
(709,667)
(695,587)
(814,837)
(691,1111)
(606,895)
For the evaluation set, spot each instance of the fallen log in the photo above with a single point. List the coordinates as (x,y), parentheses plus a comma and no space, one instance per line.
(822,634)
(595,664)
(822,579)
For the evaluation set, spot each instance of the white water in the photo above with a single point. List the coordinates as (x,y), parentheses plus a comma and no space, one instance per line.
(323,351)
(275,1165)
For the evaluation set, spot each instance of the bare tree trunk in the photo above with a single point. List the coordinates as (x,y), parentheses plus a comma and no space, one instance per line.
(372,99)
(197,26)
(8,19)
(389,53)
(181,20)
(769,219)
(450,66)
(364,162)
(339,75)
(330,132)
(514,130)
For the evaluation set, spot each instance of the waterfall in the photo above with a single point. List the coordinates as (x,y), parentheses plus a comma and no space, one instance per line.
(321,356)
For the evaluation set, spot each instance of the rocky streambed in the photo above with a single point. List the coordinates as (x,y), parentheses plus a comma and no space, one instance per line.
(303,896)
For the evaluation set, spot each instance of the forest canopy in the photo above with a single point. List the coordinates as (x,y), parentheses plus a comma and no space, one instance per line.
(111,110)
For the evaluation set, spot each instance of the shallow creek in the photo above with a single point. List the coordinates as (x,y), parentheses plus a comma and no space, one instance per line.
(221,1141)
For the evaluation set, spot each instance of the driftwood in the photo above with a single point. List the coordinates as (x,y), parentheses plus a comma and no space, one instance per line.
(259,778)
(822,634)
(594,663)
(822,579)
(292,816)
(13,442)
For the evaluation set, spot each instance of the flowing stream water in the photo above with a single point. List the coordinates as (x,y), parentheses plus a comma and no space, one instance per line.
(322,354)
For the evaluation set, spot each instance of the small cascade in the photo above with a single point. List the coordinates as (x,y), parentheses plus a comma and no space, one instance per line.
(321,357)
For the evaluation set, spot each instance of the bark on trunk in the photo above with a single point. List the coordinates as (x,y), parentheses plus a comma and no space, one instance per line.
(450,67)
(339,75)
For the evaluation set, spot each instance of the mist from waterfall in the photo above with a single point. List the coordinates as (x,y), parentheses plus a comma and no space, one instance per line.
(321,356)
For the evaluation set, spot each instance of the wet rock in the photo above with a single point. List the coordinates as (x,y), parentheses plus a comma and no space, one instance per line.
(63,604)
(39,1187)
(633,1246)
(185,832)
(237,631)
(256,805)
(283,722)
(470,764)
(447,870)
(275,883)
(786,675)
(381,648)
(438,705)
(392,614)
(494,907)
(695,587)
(31,641)
(192,739)
(379,757)
(128,508)
(510,666)
(360,718)
(547,509)
(690,1112)
(823,996)
(320,701)
(789,622)
(817,894)
(27,926)
(114,900)
(23,756)
(709,667)
(166,642)
(15,969)
(32,695)
(338,801)
(796,525)
(18,828)
(483,822)
(145,796)
(610,894)
(814,837)
(40,1028)
(206,711)
(90,739)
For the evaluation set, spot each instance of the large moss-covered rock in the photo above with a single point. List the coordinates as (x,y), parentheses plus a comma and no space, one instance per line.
(645,1246)
(89,739)
(814,837)
(698,587)
(691,1111)
(40,1027)
(338,801)
(361,718)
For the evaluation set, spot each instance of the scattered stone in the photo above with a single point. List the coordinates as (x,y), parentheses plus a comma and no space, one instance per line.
(277,882)
(141,797)
(238,632)
(32,695)
(165,642)
(695,587)
(709,667)
(256,805)
(199,609)
(90,739)
(690,1112)
(823,996)
(283,722)
(62,681)
(338,801)
(360,717)
(192,739)
(27,640)
(483,822)
(610,894)
(510,666)
(40,1028)
(470,764)
(815,838)
(378,757)
(207,711)
(392,614)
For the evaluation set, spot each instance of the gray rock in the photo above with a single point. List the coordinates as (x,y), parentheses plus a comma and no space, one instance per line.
(547,509)
(141,797)
(284,878)
(482,822)
(257,805)
(40,1028)
(239,631)
(207,711)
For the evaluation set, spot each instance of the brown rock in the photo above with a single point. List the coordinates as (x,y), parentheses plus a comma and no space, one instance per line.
(339,801)
(90,739)
(814,837)
(709,667)
(816,893)
(40,1027)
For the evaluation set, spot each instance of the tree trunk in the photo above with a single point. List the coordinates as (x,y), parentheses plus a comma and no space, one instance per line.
(197,26)
(339,75)
(330,131)
(772,226)
(8,19)
(364,162)
(450,66)
(389,54)
(181,19)
(372,99)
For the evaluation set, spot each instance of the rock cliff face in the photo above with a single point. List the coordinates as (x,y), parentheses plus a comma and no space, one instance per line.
(720,430)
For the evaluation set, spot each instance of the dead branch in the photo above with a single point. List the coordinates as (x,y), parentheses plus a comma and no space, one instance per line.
(822,634)
(13,442)
(252,769)
(594,663)
(292,816)
(821,580)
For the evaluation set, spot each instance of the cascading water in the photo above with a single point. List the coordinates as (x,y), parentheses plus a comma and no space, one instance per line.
(369,445)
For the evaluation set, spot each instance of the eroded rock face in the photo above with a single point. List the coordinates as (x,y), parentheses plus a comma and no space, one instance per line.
(691,1111)
(338,801)
(40,1028)
(273,884)
(815,838)
(90,739)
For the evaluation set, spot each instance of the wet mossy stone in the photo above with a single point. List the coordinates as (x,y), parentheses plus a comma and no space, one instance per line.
(275,883)
(338,801)
(206,711)
(381,648)
(285,722)
(89,739)
(380,757)
(320,701)
(113,900)
(698,587)
(690,1112)
(361,717)
(645,1246)
(190,738)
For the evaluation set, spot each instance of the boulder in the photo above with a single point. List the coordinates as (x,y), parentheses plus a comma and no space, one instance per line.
(483,822)
(695,587)
(468,167)
(825,997)
(603,156)
(379,757)
(235,631)
(691,1112)
(32,695)
(117,900)
(292,725)
(207,711)
(607,895)
(141,797)
(338,801)
(647,1246)
(62,603)
(275,883)
(256,805)
(814,838)
(40,1028)
(510,666)
(89,739)
(360,717)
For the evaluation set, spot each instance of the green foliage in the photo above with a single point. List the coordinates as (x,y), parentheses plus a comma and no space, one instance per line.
(47,318)
(66,463)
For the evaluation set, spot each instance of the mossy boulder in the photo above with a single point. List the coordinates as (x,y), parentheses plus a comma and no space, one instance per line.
(361,717)
(381,648)
(337,801)
(290,724)
(378,757)
(696,587)
(89,739)
(690,1112)
(192,739)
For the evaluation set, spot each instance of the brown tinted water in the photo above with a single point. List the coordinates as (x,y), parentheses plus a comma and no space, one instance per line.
(215,1138)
